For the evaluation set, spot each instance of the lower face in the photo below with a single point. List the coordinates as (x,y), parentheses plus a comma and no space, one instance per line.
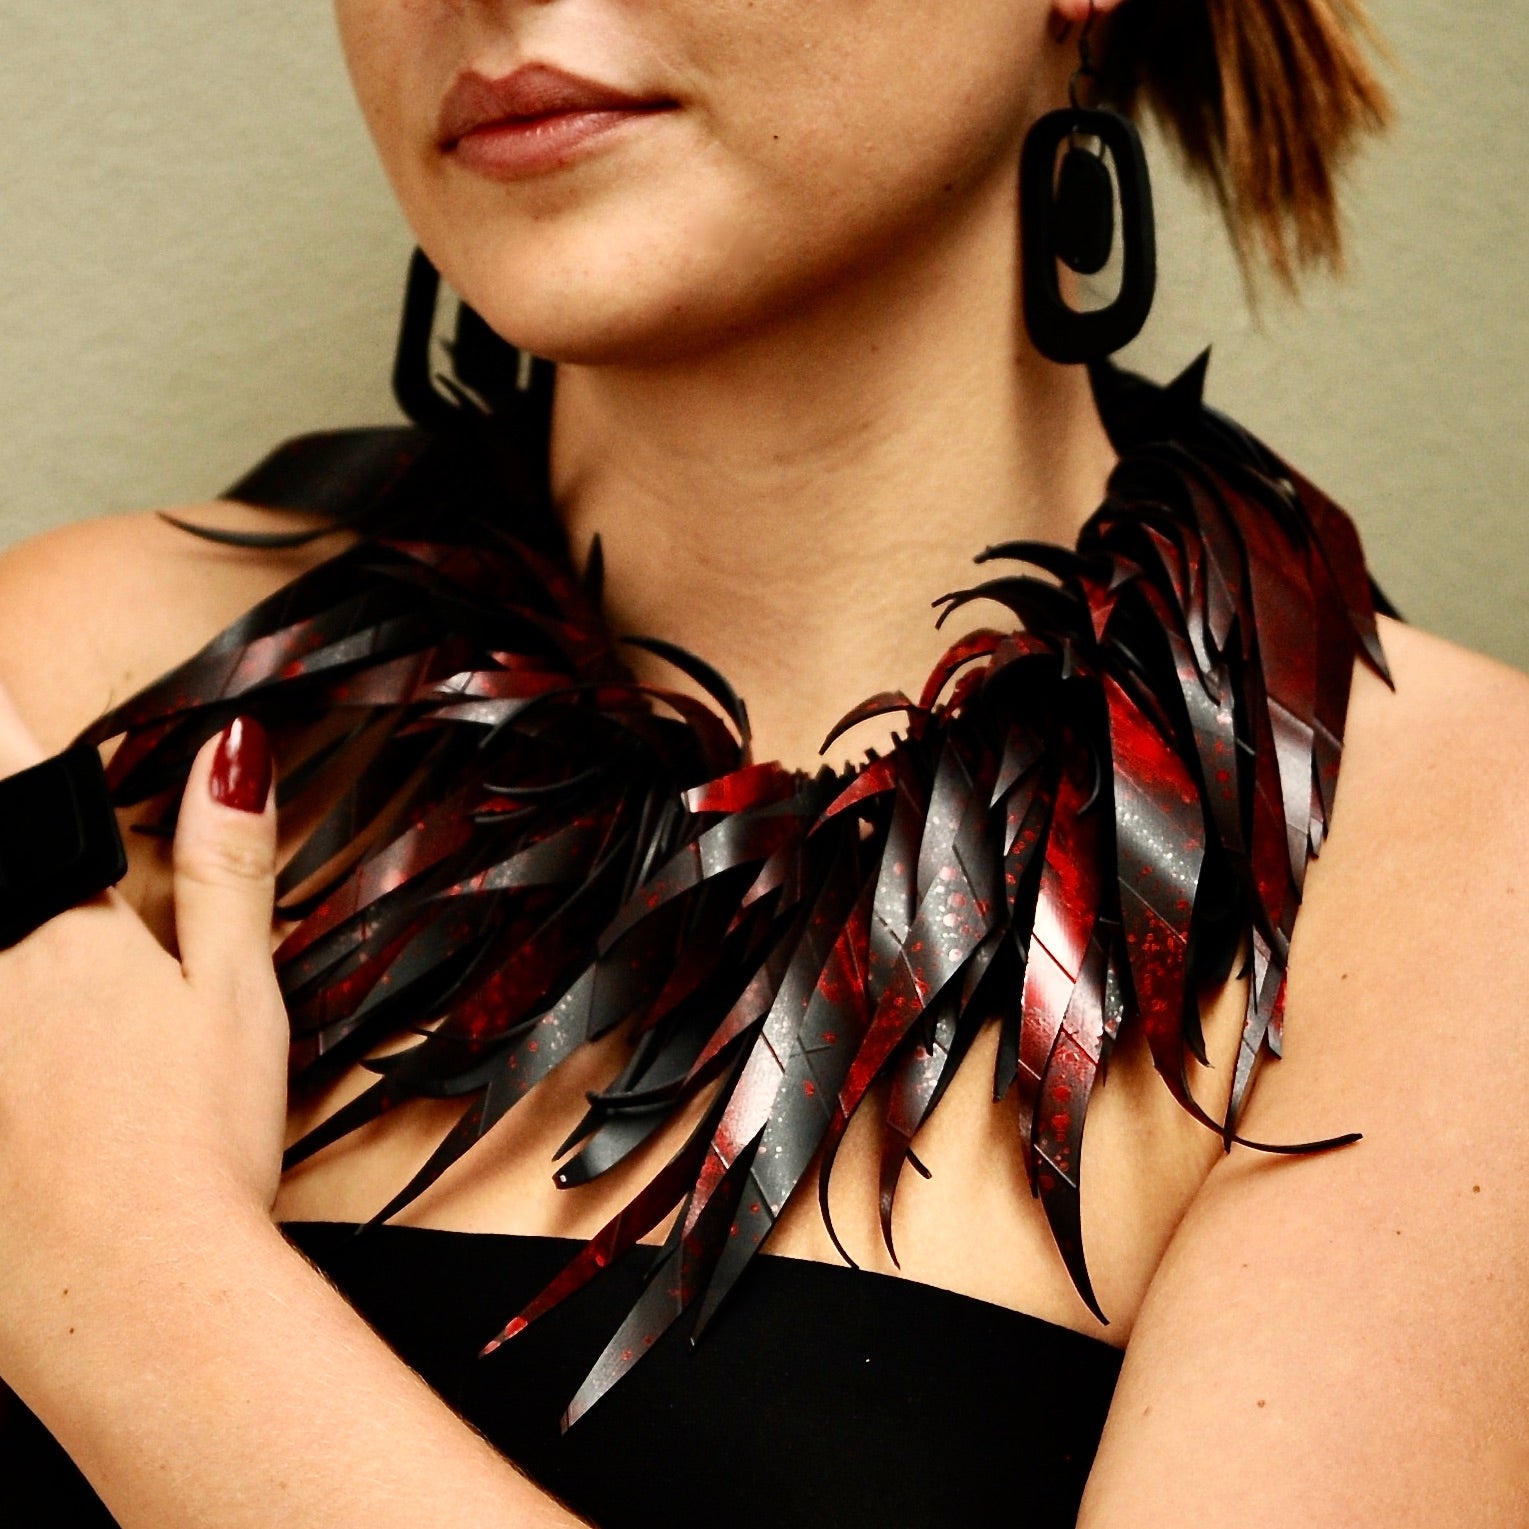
(764,151)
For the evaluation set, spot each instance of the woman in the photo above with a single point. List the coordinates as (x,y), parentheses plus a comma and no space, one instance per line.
(780,286)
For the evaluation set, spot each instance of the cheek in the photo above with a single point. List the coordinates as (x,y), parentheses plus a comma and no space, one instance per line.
(397,53)
(831,130)
(825,95)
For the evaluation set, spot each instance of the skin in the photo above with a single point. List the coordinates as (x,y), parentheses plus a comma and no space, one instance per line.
(786,318)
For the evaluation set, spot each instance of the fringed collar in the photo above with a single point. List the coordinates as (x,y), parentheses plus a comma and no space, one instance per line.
(1087,820)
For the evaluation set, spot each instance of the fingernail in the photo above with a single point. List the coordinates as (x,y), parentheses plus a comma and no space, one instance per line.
(241,766)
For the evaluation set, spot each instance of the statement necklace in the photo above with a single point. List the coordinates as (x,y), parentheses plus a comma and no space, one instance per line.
(1086,822)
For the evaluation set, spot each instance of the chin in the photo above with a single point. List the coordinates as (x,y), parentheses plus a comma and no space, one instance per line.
(585,269)
(591,323)
(617,300)
(683,269)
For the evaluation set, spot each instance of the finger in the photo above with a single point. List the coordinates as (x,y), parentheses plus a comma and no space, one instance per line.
(225,861)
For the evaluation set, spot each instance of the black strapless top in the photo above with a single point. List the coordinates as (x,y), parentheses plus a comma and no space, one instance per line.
(821,1396)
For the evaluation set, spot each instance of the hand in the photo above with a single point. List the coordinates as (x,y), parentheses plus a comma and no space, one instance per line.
(139,1092)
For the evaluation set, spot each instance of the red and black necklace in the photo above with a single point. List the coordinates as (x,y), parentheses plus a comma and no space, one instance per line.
(1087,820)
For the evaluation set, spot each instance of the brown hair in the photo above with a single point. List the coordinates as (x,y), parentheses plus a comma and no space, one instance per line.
(1267,98)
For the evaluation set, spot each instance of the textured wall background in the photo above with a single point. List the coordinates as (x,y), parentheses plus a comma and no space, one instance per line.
(199,257)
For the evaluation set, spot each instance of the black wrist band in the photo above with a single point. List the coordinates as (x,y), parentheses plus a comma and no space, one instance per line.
(59,841)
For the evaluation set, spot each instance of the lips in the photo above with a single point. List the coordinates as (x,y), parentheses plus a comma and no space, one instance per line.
(533,119)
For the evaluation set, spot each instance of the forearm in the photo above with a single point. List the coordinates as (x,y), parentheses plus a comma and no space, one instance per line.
(216,1379)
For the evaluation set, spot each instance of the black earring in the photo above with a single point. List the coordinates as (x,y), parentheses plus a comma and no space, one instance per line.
(482,364)
(1069,216)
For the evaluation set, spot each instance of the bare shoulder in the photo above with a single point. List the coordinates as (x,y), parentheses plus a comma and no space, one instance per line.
(1353,1328)
(1434,789)
(1440,686)
(93,610)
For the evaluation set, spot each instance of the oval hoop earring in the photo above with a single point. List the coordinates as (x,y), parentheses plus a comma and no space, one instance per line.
(483,366)
(1068,216)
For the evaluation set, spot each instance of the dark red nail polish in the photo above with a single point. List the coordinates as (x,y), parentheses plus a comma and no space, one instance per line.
(241,767)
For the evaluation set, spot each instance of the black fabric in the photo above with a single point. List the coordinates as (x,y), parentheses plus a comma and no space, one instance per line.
(823,1396)
(59,840)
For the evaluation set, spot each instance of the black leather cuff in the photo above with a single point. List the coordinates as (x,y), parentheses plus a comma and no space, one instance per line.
(59,841)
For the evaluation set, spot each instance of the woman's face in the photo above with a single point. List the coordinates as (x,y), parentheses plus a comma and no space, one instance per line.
(760,153)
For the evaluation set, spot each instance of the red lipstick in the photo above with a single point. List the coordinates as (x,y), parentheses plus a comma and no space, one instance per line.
(533,121)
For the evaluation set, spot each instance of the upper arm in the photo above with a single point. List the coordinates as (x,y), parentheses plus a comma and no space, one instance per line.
(1345,1338)
(92,611)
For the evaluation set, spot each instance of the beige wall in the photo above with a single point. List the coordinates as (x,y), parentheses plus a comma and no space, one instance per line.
(198,257)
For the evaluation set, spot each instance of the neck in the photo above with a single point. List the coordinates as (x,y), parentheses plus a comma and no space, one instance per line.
(787,506)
